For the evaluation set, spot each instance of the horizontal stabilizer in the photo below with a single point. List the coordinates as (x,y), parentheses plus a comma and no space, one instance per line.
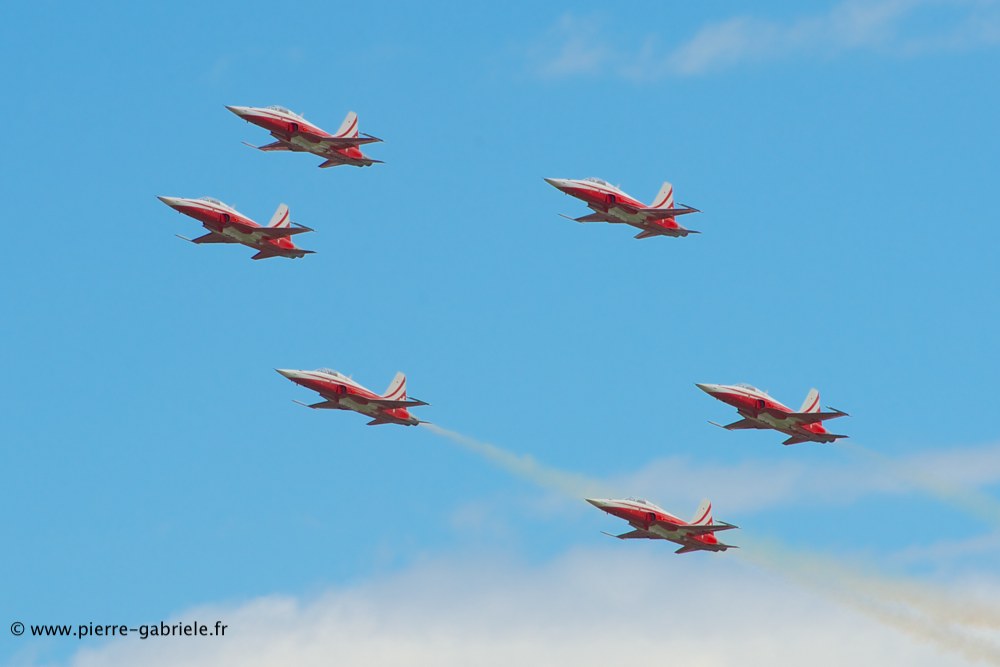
(795,439)
(688,549)
(378,422)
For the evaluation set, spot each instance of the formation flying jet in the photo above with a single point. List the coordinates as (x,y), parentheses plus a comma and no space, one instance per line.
(655,523)
(295,133)
(612,205)
(227,225)
(761,411)
(342,393)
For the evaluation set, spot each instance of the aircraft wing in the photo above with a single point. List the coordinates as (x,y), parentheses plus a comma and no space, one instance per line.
(700,546)
(687,529)
(660,213)
(592,217)
(739,425)
(281,232)
(810,417)
(274,146)
(211,237)
(389,404)
(244,228)
(704,530)
(688,548)
(341,142)
(634,535)
(649,232)
(322,405)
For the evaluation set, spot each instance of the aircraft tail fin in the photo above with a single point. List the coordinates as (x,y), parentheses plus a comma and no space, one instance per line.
(665,198)
(811,404)
(397,388)
(280,217)
(349,128)
(703,517)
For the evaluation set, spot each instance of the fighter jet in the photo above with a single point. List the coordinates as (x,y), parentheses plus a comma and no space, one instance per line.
(761,411)
(342,393)
(612,205)
(295,133)
(655,523)
(227,225)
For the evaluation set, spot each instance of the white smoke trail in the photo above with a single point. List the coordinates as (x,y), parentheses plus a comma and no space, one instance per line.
(914,609)
(971,501)
(571,485)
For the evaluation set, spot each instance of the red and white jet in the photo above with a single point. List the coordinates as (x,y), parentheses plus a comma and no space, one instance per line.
(227,225)
(343,393)
(612,205)
(655,523)
(761,411)
(295,133)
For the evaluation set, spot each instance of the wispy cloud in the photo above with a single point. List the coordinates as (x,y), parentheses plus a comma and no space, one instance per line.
(579,46)
(955,476)
(624,605)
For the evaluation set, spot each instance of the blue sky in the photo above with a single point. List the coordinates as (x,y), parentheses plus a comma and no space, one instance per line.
(153,462)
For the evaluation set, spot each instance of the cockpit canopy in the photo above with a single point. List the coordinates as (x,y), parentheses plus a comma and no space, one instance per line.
(641,501)
(213,200)
(599,181)
(280,109)
(752,389)
(330,371)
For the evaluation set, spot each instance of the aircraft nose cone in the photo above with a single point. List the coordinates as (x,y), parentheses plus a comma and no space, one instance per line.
(555,182)
(239,111)
(707,388)
(599,503)
(290,374)
(169,201)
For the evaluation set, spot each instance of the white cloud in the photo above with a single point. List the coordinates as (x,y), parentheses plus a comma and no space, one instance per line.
(577,45)
(633,604)
(578,48)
